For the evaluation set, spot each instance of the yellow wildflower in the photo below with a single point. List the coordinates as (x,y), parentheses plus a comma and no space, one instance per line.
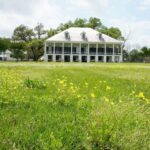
(106,99)
(141,95)
(112,103)
(71,83)
(73,91)
(93,95)
(108,88)
(61,81)
(71,87)
(86,84)
(78,96)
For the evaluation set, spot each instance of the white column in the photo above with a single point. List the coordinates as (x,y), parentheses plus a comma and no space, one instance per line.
(88,55)
(80,52)
(45,53)
(71,56)
(96,53)
(3,56)
(113,56)
(54,53)
(105,52)
(121,57)
(62,56)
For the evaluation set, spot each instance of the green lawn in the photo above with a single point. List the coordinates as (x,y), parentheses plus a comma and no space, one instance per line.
(65,106)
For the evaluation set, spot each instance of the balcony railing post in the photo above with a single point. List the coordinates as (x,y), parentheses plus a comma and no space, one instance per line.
(105,52)
(71,59)
(80,52)
(113,57)
(96,53)
(63,52)
(45,52)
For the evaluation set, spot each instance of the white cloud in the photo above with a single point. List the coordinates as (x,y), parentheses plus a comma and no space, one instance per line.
(144,5)
(139,31)
(89,3)
(52,13)
(93,6)
(29,13)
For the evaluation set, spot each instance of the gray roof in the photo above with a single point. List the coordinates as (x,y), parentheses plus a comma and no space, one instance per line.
(75,36)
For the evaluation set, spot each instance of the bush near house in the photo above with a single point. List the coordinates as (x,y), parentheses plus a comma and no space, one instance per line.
(74,106)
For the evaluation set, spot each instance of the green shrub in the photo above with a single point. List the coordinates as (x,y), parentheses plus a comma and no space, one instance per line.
(34,84)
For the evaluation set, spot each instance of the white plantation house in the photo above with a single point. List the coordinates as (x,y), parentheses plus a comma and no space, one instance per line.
(82,45)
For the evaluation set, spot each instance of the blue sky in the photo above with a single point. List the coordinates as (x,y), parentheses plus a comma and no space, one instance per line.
(131,16)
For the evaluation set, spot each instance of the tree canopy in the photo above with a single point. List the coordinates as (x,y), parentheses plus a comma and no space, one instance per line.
(39,30)
(23,33)
(4,44)
(18,49)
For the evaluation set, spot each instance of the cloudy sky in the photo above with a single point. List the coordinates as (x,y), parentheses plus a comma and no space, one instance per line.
(131,16)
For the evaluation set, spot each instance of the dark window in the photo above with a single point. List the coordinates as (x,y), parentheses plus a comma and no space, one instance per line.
(47,48)
(74,48)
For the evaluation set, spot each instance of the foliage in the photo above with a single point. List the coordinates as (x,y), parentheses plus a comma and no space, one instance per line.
(18,50)
(139,55)
(4,44)
(23,33)
(125,55)
(113,32)
(61,106)
(29,83)
(39,29)
(51,32)
(94,23)
(145,51)
(35,49)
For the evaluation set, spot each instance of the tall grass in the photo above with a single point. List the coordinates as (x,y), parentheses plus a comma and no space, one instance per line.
(74,106)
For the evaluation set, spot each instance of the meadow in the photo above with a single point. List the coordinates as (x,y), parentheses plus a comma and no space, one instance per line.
(79,106)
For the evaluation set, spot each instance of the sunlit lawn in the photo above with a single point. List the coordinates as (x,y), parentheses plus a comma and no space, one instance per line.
(74,106)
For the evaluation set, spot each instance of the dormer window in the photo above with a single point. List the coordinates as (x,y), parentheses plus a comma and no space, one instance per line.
(83,36)
(67,36)
(100,37)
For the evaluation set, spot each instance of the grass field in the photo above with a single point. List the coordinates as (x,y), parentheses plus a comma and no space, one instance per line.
(63,106)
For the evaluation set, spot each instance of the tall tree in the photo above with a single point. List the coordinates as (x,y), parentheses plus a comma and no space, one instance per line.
(18,50)
(4,44)
(51,32)
(94,23)
(135,56)
(23,33)
(39,29)
(112,32)
(125,55)
(79,22)
(64,26)
(145,51)
(35,49)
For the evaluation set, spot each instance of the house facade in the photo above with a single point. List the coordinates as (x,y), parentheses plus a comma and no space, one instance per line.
(82,45)
(4,56)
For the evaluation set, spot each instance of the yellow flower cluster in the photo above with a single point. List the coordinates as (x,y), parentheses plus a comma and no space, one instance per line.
(108,87)
(108,100)
(93,95)
(142,96)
